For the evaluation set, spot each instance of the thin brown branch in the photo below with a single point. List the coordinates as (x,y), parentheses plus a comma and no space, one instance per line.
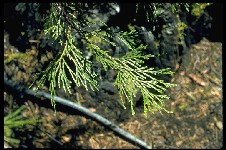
(94,116)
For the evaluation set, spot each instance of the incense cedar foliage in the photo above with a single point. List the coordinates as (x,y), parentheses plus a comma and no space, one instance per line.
(67,26)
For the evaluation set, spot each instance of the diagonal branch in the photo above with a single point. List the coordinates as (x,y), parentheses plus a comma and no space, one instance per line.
(94,116)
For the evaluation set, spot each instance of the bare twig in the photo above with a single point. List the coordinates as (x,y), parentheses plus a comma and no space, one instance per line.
(94,116)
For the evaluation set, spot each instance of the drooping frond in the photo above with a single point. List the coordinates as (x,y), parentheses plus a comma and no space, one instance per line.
(70,66)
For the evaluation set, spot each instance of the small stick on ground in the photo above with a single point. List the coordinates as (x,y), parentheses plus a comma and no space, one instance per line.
(129,137)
